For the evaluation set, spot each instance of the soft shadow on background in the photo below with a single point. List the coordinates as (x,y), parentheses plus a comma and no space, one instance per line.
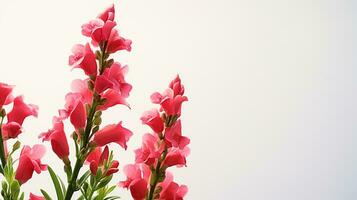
(272,87)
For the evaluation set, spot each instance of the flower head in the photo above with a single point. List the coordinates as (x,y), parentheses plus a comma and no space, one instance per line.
(153,119)
(98,159)
(30,161)
(21,110)
(172,190)
(174,136)
(58,138)
(84,58)
(108,14)
(113,133)
(5,94)
(137,180)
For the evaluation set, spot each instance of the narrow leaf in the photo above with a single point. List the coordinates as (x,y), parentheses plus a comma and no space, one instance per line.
(44,193)
(56,183)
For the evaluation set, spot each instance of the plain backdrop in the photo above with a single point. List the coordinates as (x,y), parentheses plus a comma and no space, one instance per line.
(271,87)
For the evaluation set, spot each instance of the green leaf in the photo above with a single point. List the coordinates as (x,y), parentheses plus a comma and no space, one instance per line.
(56,183)
(45,194)
(83,178)
(111,189)
(63,186)
(104,182)
(22,196)
(15,189)
(112,198)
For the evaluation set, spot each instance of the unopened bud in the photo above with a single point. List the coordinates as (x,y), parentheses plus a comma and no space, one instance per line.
(16,146)
(98,54)
(98,114)
(97,121)
(109,63)
(90,85)
(2,113)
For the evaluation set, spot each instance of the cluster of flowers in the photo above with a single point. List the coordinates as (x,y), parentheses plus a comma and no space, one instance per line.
(164,148)
(30,158)
(104,87)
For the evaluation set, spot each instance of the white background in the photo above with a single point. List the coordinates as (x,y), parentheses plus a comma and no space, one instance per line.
(272,87)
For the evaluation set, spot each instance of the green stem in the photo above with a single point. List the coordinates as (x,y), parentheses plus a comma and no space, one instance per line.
(72,187)
(2,151)
(154,180)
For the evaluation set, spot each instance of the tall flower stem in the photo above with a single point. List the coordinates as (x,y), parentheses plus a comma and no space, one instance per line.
(2,150)
(72,187)
(82,155)
(154,180)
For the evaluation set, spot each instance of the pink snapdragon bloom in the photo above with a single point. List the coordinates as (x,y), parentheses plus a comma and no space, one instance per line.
(11,130)
(30,161)
(172,98)
(176,157)
(35,197)
(176,86)
(76,110)
(174,136)
(153,119)
(108,14)
(171,190)
(97,160)
(102,30)
(58,138)
(150,151)
(81,87)
(21,110)
(170,103)
(5,94)
(113,133)
(137,180)
(89,27)
(113,78)
(99,29)
(112,98)
(84,58)
(111,85)
(117,43)
(102,33)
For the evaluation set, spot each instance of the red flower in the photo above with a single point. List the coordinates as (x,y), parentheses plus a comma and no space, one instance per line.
(176,86)
(137,180)
(149,151)
(5,94)
(108,14)
(117,43)
(11,130)
(76,110)
(81,87)
(58,138)
(102,33)
(97,159)
(84,58)
(176,157)
(171,190)
(114,78)
(174,136)
(169,103)
(30,161)
(21,110)
(35,197)
(153,119)
(113,133)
